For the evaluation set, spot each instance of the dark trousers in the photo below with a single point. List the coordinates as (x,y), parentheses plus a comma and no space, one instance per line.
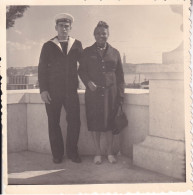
(72,107)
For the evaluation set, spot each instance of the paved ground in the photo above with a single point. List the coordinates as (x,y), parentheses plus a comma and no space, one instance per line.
(35,168)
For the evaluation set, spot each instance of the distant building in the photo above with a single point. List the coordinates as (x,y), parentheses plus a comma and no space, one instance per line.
(22,78)
(22,71)
(22,82)
(124,58)
(132,78)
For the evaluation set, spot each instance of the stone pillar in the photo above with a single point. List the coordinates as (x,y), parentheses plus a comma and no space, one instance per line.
(163,150)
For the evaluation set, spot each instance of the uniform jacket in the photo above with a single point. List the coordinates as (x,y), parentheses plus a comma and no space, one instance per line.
(107,73)
(57,72)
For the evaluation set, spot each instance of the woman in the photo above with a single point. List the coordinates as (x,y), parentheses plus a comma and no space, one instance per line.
(102,73)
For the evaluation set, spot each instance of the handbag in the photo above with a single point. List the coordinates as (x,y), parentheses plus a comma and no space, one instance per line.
(120,121)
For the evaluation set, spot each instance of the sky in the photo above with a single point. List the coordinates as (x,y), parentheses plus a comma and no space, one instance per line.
(143,33)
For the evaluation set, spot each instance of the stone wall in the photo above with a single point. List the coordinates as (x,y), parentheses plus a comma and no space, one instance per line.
(28,129)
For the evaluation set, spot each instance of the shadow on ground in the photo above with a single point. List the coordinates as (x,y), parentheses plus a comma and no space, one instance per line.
(35,168)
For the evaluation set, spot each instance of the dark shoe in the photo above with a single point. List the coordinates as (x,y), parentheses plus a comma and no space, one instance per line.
(57,160)
(75,159)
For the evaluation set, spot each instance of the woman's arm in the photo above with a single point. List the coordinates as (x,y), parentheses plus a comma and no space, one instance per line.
(82,70)
(120,80)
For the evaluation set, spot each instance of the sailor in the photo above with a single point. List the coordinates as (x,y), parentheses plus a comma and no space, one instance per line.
(58,81)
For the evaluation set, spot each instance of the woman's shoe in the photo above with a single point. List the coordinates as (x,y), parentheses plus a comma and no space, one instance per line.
(111,159)
(98,160)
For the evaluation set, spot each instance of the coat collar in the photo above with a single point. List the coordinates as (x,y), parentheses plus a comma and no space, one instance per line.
(70,43)
(109,48)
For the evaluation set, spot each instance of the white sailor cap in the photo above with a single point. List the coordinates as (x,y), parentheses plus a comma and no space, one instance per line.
(64,17)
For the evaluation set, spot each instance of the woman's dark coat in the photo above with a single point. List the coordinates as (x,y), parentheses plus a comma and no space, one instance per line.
(107,73)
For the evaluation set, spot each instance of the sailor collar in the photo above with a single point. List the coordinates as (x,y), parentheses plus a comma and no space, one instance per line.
(57,42)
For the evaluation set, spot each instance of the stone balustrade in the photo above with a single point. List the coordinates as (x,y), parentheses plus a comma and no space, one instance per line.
(27,126)
(163,150)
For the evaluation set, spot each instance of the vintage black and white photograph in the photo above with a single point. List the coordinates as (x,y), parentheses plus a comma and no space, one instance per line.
(98,94)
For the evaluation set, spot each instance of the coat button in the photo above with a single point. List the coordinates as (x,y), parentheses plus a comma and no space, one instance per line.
(103,61)
(103,67)
(102,95)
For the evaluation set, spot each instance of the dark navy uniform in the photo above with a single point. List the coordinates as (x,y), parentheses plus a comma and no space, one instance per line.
(57,74)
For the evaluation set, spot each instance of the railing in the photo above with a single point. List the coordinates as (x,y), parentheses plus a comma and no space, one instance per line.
(28,129)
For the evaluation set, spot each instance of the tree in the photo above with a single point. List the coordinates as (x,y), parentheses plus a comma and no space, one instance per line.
(12,13)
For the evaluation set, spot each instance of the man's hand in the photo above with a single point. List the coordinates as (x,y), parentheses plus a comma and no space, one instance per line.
(92,86)
(45,97)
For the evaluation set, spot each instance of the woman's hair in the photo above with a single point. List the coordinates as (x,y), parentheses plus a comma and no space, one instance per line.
(101,24)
